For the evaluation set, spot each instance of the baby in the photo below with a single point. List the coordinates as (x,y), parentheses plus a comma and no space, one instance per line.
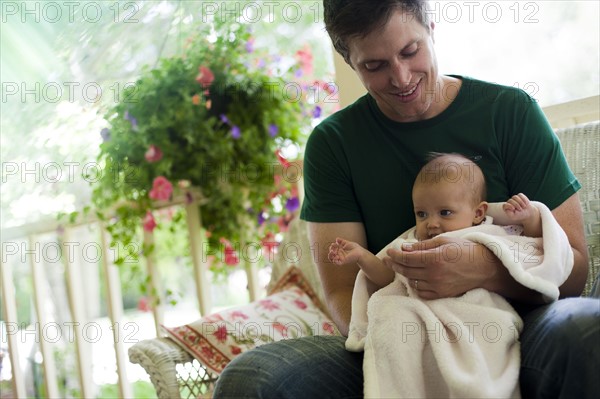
(448,195)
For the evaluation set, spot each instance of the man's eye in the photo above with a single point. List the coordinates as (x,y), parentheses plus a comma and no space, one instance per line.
(410,51)
(372,66)
(445,212)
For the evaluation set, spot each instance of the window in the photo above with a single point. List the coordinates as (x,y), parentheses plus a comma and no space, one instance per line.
(550,49)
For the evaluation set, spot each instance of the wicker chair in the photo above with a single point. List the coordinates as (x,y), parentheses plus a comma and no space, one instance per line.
(176,374)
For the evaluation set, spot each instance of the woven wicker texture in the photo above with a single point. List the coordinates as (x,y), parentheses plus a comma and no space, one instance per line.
(173,372)
(581,145)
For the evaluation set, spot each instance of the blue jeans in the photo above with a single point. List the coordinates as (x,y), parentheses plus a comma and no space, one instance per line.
(560,358)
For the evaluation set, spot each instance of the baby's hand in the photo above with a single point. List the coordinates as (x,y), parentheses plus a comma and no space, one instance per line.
(344,252)
(519,209)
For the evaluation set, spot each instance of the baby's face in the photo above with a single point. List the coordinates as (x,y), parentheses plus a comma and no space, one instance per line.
(442,207)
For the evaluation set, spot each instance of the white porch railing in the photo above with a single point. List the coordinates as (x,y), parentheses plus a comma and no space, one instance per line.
(66,233)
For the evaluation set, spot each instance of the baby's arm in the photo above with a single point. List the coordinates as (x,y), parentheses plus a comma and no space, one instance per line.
(520,211)
(343,252)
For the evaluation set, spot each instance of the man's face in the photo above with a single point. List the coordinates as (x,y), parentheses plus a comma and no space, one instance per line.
(398,67)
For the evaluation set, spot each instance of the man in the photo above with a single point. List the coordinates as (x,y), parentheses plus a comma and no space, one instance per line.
(410,110)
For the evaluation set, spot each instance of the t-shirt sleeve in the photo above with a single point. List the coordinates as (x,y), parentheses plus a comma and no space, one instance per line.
(328,190)
(534,161)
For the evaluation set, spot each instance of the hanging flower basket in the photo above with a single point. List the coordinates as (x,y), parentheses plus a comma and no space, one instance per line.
(210,126)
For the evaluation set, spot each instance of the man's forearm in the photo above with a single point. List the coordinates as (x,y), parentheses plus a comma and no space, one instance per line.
(576,281)
(340,310)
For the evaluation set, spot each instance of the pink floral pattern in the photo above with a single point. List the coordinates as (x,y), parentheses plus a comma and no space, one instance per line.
(149,223)
(154,154)
(291,311)
(161,189)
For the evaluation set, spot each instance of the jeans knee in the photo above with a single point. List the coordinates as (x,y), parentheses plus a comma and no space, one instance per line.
(560,351)
(574,324)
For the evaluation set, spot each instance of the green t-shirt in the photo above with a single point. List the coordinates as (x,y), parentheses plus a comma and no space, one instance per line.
(359,166)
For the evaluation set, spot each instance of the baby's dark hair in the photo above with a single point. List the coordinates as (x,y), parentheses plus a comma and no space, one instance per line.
(454,167)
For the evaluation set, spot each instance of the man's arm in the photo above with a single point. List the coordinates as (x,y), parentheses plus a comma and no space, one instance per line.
(338,281)
(570,217)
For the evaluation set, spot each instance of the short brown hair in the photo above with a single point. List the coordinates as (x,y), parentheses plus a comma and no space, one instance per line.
(345,19)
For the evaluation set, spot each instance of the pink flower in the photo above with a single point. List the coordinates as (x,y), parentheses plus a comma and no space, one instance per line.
(207,353)
(283,161)
(281,329)
(268,304)
(230,257)
(269,245)
(235,350)
(300,304)
(205,76)
(221,333)
(149,223)
(161,189)
(238,314)
(328,328)
(143,304)
(154,154)
(306,60)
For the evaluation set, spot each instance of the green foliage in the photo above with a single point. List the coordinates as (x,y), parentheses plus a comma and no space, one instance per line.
(219,138)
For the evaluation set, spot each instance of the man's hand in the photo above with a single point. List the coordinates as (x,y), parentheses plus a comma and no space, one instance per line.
(444,267)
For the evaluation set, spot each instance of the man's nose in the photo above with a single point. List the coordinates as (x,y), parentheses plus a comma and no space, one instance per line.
(400,75)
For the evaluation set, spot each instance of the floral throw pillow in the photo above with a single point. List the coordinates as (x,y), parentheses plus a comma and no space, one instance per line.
(290,311)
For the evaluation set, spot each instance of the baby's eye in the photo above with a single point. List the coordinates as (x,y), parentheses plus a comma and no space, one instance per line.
(420,214)
(445,212)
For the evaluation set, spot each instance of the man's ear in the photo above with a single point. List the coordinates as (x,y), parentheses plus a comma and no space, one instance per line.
(431,28)
(480,212)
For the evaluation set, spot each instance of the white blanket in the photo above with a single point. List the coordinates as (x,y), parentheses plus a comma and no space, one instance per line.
(464,347)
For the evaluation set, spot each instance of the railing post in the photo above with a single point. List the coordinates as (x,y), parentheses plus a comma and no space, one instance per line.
(199,259)
(253,280)
(39,297)
(154,287)
(114,299)
(9,308)
(76,299)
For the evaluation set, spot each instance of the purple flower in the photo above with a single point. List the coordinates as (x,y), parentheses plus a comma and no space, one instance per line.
(261,218)
(132,120)
(236,132)
(273,130)
(292,204)
(105,134)
(223,118)
(316,112)
(250,45)
(298,73)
